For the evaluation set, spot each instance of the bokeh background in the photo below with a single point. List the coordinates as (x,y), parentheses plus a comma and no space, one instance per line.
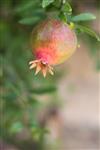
(56,113)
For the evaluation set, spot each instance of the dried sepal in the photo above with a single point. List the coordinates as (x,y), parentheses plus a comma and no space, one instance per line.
(51,72)
(44,71)
(33,66)
(41,66)
(38,68)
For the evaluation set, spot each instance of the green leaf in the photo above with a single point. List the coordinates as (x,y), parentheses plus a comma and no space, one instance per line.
(87,30)
(63,17)
(29,21)
(83,17)
(67,8)
(43,90)
(45,3)
(33,124)
(16,127)
(25,6)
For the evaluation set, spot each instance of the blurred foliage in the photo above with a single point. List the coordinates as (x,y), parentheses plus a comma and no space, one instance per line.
(19,103)
(21,91)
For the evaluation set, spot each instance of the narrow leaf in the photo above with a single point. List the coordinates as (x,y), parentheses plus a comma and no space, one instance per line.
(29,21)
(87,30)
(16,127)
(45,3)
(43,90)
(25,6)
(83,17)
(67,8)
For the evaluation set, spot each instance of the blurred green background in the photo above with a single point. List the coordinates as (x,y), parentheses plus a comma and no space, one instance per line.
(27,101)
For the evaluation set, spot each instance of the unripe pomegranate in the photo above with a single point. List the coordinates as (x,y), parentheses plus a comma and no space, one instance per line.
(53,42)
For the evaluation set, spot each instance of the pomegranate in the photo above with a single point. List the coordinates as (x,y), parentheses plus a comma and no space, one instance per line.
(53,42)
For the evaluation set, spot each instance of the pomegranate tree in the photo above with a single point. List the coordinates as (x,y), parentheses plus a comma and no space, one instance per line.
(54,41)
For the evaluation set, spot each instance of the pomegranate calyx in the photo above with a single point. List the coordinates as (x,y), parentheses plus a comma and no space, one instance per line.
(41,66)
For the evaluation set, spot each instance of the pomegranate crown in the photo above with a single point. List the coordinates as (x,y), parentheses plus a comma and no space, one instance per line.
(41,66)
